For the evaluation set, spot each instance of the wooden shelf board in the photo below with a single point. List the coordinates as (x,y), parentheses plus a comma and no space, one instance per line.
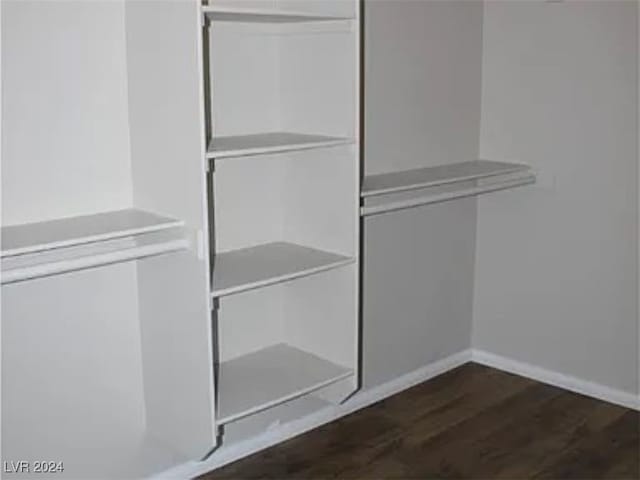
(249,268)
(256,15)
(434,176)
(263,379)
(267,143)
(74,231)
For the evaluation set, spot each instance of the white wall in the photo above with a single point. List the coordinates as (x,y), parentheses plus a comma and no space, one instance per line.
(422,108)
(70,343)
(64,101)
(556,265)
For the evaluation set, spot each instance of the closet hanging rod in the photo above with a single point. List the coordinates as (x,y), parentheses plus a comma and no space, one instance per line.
(46,269)
(442,197)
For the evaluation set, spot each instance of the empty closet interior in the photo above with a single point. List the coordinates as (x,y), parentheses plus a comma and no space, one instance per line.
(216,234)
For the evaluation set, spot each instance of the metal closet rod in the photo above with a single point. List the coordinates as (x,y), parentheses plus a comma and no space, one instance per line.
(443,197)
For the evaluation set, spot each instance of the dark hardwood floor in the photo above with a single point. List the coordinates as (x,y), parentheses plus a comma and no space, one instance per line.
(473,422)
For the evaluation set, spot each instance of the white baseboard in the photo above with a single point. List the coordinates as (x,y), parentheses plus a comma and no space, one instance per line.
(567,382)
(368,397)
(375,394)
(292,429)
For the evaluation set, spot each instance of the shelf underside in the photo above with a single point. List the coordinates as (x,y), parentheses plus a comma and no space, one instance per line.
(74,231)
(248,268)
(250,15)
(260,380)
(267,143)
(434,176)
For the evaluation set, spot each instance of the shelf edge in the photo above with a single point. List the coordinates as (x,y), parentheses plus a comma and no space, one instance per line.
(446,196)
(517,168)
(277,149)
(171,223)
(281,278)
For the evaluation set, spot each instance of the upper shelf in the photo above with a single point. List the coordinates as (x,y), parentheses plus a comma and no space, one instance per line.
(57,261)
(248,268)
(434,176)
(276,374)
(74,231)
(267,143)
(257,15)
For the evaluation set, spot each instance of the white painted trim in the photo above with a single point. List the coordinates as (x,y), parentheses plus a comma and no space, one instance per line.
(368,397)
(292,429)
(567,382)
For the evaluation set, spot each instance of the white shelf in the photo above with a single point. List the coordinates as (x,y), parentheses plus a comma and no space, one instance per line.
(522,179)
(266,143)
(249,268)
(256,15)
(90,255)
(42,249)
(260,380)
(74,231)
(434,176)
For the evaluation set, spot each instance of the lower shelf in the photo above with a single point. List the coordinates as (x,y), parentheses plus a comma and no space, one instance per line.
(268,377)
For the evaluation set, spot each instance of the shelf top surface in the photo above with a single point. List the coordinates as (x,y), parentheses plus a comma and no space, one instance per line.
(433,176)
(72,231)
(266,143)
(248,268)
(268,377)
(257,15)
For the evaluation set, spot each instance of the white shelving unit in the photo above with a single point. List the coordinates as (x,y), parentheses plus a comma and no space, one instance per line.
(202,283)
(160,302)
(186,292)
(460,180)
(284,104)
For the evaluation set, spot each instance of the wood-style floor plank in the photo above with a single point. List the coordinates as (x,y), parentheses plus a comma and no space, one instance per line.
(473,422)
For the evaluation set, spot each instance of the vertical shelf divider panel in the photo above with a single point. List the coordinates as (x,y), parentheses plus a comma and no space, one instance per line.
(164,52)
